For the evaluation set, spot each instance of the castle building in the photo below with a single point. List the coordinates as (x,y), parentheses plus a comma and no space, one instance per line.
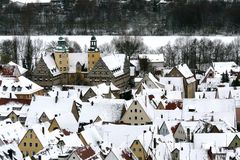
(64,68)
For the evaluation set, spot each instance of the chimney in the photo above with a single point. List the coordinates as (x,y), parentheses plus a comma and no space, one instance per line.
(43,130)
(154,143)
(188,135)
(212,118)
(10,153)
(56,99)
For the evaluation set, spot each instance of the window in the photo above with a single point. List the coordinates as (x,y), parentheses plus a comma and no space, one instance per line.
(169,82)
(135,110)
(30,135)
(129,118)
(136,142)
(135,117)
(135,102)
(36,144)
(60,62)
(140,110)
(140,149)
(64,68)
(92,55)
(141,118)
(30,144)
(33,153)
(134,149)
(24,144)
(161,116)
(130,110)
(92,62)
(60,56)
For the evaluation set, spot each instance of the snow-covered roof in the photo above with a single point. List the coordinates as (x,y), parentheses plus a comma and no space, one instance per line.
(186,72)
(222,67)
(20,68)
(172,83)
(11,131)
(109,110)
(154,58)
(67,121)
(205,94)
(48,59)
(42,104)
(207,109)
(205,140)
(19,85)
(121,135)
(115,63)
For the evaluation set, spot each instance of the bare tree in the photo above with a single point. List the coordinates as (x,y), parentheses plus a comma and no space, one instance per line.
(131,46)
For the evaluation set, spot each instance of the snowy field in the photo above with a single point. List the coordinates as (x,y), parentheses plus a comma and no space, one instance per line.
(153,42)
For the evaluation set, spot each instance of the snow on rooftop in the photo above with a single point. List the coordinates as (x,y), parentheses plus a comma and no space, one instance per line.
(184,69)
(20,68)
(107,110)
(19,85)
(115,63)
(48,59)
(210,108)
(222,67)
(121,135)
(42,104)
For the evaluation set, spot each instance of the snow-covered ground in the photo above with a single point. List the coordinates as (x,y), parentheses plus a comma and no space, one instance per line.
(153,42)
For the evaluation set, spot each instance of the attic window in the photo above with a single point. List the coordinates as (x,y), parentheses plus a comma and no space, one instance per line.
(135,102)
(13,88)
(5,88)
(191,109)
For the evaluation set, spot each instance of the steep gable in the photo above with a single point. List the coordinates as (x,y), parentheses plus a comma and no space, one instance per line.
(136,115)
(234,143)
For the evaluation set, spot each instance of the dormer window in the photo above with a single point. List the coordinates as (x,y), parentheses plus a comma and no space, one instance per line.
(13,88)
(19,88)
(5,88)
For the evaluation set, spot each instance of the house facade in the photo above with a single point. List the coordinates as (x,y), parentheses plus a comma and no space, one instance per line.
(136,115)
(189,80)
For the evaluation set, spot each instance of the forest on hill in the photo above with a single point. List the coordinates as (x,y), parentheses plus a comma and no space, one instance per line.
(114,17)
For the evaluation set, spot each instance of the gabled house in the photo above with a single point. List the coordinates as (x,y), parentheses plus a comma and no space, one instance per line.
(175,154)
(111,68)
(139,150)
(156,61)
(33,141)
(167,128)
(138,113)
(52,106)
(185,131)
(189,80)
(82,153)
(120,154)
(234,143)
(60,122)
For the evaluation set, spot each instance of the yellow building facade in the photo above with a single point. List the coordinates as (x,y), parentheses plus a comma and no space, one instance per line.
(93,53)
(61,55)
(138,149)
(30,144)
